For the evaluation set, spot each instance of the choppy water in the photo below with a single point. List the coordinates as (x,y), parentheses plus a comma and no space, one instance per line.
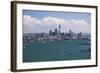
(56,50)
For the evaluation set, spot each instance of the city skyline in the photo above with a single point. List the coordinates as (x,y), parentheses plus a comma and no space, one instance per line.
(43,21)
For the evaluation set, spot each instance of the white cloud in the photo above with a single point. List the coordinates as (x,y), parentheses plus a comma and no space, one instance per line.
(30,20)
(32,24)
(52,21)
(78,25)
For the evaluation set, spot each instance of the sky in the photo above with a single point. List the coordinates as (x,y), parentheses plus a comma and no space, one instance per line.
(44,21)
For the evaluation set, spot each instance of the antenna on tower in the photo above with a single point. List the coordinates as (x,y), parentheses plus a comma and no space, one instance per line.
(59,31)
(59,27)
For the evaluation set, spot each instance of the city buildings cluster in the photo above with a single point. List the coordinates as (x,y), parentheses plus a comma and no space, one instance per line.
(53,35)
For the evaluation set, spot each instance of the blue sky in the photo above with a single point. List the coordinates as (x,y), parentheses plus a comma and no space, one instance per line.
(40,16)
(65,15)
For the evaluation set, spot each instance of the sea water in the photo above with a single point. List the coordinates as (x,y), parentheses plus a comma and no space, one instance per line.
(56,50)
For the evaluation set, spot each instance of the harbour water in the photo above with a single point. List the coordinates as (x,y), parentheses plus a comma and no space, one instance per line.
(77,49)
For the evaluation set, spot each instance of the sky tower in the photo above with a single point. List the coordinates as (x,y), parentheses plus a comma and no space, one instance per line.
(59,31)
(59,27)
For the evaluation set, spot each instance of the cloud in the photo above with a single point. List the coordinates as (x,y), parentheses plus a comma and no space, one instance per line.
(52,21)
(78,25)
(32,24)
(30,20)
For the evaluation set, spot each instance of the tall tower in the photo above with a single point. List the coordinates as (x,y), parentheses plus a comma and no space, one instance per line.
(59,31)
(59,28)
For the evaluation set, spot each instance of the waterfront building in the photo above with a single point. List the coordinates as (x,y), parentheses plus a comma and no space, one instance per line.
(79,35)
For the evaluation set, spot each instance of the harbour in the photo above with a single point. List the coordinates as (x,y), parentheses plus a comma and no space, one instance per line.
(56,50)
